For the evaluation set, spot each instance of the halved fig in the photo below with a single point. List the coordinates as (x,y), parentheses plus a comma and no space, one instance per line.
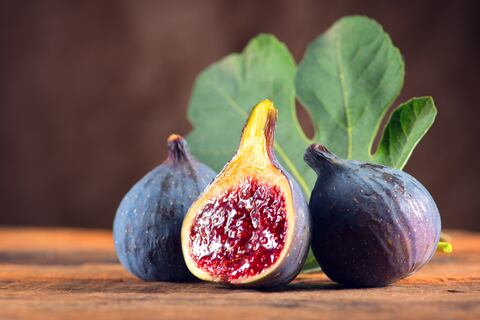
(251,225)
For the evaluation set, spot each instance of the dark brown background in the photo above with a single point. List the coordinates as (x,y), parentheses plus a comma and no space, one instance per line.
(89,90)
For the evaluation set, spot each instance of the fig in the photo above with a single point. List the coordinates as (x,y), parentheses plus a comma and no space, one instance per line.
(251,226)
(148,222)
(372,225)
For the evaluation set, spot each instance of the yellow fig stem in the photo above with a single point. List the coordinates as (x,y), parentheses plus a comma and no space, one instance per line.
(445,247)
(258,133)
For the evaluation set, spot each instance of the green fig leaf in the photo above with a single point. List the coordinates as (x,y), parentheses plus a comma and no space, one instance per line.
(226,91)
(347,80)
(407,125)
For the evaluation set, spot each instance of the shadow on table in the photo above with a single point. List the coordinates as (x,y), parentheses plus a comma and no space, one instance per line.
(124,283)
(312,286)
(121,281)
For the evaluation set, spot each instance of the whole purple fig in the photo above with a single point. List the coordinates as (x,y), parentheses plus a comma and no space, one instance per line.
(372,225)
(147,225)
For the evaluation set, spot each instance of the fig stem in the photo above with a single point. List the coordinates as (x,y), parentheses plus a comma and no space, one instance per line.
(177,148)
(319,158)
(260,128)
(445,247)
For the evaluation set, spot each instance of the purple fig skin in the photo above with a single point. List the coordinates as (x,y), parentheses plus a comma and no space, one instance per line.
(372,225)
(148,221)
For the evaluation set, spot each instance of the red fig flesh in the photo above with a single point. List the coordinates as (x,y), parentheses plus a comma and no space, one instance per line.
(251,242)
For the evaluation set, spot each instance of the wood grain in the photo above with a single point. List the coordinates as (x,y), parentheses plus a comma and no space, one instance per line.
(74,274)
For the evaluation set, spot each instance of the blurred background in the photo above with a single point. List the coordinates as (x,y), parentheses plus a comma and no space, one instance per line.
(89,91)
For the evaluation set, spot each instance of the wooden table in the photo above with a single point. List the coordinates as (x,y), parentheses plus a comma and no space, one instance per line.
(74,274)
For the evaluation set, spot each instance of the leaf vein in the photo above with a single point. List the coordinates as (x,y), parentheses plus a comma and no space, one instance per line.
(341,75)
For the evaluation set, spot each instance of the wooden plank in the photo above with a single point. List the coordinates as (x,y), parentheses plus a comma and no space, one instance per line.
(74,274)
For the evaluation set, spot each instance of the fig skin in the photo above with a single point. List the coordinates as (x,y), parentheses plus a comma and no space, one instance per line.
(256,159)
(147,224)
(301,240)
(372,225)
